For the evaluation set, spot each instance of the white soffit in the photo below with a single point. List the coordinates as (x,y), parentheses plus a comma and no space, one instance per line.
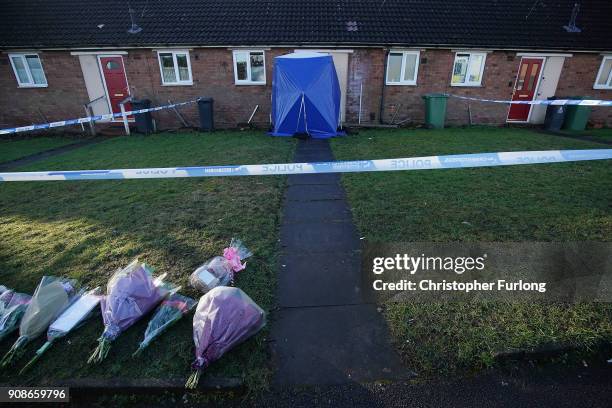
(542,54)
(109,52)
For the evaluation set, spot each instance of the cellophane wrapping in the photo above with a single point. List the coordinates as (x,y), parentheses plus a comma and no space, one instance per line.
(130,294)
(225,317)
(52,296)
(220,270)
(12,307)
(171,310)
(82,307)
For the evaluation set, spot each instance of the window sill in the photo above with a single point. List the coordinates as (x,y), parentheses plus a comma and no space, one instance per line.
(401,83)
(468,85)
(602,87)
(33,86)
(179,84)
(249,83)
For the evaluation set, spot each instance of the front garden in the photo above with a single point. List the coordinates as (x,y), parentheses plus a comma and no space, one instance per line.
(547,202)
(86,230)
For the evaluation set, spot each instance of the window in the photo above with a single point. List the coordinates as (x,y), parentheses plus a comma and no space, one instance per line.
(521,79)
(110,65)
(402,67)
(249,67)
(175,67)
(533,76)
(28,70)
(468,69)
(604,76)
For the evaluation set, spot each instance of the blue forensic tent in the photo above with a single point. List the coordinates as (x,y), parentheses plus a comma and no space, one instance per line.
(305,95)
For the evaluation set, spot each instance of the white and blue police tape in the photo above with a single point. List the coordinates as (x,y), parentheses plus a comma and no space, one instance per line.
(582,102)
(41,126)
(88,119)
(410,163)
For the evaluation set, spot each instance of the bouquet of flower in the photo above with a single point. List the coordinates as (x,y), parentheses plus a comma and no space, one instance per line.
(169,312)
(81,308)
(51,298)
(225,317)
(130,294)
(12,307)
(220,270)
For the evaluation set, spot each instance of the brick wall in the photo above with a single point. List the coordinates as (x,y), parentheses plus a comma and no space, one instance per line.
(366,71)
(212,73)
(213,76)
(62,99)
(577,79)
(434,76)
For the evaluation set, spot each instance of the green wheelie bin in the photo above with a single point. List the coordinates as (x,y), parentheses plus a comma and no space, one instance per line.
(576,116)
(435,110)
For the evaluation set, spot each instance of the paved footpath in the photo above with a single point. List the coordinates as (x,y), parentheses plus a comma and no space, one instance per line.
(563,387)
(324,333)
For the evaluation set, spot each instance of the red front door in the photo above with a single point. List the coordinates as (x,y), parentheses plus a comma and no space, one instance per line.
(525,88)
(116,82)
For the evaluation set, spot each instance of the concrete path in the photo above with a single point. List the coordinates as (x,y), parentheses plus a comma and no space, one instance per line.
(528,388)
(324,333)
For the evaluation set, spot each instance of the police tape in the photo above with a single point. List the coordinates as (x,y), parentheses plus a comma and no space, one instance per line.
(88,119)
(401,164)
(110,116)
(554,102)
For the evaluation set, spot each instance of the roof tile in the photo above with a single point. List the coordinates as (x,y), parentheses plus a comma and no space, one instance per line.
(469,23)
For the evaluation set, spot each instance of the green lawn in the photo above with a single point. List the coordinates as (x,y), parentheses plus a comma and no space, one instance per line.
(87,229)
(12,149)
(604,134)
(554,202)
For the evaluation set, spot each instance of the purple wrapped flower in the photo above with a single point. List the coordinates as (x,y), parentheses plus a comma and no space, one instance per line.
(131,293)
(224,318)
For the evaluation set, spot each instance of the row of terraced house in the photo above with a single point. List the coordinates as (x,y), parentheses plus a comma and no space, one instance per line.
(58,57)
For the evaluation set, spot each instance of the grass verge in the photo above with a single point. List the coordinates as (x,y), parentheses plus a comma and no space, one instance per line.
(555,202)
(87,229)
(13,149)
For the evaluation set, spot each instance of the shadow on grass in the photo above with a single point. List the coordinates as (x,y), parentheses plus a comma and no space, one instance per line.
(86,230)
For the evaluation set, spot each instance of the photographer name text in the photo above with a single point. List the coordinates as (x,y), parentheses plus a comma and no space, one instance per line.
(458,265)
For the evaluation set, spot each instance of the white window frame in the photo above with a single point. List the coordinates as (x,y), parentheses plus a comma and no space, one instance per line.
(470,53)
(404,53)
(174,53)
(30,83)
(608,84)
(248,80)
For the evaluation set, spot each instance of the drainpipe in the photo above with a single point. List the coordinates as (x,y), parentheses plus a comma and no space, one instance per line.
(382,93)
